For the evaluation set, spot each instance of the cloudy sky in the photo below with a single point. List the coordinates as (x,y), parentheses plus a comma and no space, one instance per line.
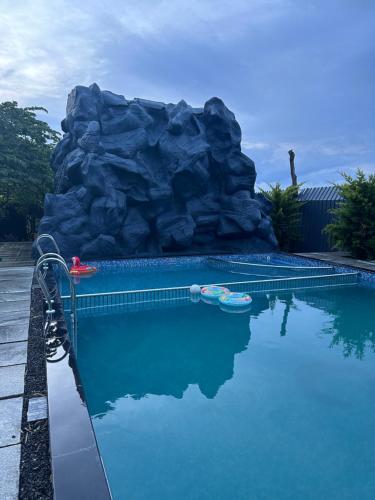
(296,73)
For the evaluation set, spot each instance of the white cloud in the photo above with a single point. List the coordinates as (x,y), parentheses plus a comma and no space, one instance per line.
(148,18)
(261,185)
(46,47)
(329,148)
(318,163)
(255,145)
(333,147)
(368,168)
(49,46)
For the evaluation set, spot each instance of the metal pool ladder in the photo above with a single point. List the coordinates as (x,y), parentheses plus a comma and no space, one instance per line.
(41,273)
(46,236)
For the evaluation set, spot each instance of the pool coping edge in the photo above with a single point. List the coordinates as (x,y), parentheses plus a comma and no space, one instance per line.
(77,467)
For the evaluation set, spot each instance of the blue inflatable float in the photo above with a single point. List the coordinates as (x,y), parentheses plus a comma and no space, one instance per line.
(236,302)
(212,293)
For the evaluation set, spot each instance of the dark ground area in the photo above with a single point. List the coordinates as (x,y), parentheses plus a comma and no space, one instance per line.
(35,467)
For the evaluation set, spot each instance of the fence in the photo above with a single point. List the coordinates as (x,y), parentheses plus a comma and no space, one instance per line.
(135,300)
(315,216)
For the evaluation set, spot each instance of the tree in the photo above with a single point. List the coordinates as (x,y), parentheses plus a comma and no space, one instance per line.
(293,175)
(26,144)
(353,228)
(285,214)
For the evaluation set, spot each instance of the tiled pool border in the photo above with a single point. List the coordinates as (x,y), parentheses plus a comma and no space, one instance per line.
(366,277)
(84,456)
(77,469)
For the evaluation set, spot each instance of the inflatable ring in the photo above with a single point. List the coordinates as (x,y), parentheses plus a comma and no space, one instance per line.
(79,269)
(235,302)
(212,293)
(82,270)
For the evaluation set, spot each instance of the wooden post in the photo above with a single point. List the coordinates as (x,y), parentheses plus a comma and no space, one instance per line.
(292,155)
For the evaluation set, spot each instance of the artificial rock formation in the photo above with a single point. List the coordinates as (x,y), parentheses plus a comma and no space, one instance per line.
(143,177)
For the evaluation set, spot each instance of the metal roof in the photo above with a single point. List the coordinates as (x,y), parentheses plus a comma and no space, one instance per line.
(324,193)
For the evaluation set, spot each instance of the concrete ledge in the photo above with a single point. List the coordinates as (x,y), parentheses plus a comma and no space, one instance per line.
(340,258)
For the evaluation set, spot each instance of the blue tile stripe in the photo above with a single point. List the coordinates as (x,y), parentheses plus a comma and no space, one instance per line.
(196,262)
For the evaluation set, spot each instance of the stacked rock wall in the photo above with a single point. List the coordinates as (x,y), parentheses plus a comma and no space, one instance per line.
(143,177)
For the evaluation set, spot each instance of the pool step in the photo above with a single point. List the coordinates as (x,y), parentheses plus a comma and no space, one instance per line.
(279,284)
(268,270)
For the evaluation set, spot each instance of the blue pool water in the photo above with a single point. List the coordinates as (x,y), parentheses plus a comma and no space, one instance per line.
(278,403)
(125,279)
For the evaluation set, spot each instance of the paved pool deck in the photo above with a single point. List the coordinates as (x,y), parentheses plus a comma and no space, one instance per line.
(15,292)
(340,258)
(15,254)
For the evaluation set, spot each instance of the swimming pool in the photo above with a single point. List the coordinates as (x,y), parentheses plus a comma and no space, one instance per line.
(192,402)
(176,272)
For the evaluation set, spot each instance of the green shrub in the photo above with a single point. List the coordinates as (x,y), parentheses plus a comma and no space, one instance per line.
(353,228)
(286,214)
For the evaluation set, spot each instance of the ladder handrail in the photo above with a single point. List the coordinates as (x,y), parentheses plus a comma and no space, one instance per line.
(52,257)
(50,254)
(41,278)
(49,237)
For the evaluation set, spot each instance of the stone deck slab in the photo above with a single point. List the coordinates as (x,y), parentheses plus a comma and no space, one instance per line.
(10,421)
(13,354)
(14,331)
(14,306)
(14,296)
(11,380)
(12,316)
(15,287)
(9,472)
(20,271)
